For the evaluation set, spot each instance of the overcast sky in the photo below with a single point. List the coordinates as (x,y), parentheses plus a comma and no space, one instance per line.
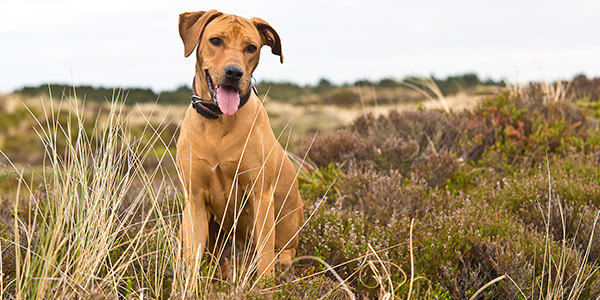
(136,43)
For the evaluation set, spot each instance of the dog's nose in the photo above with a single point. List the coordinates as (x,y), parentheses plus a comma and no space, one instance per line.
(233,72)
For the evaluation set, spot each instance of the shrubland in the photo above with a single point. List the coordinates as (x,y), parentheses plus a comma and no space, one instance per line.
(499,201)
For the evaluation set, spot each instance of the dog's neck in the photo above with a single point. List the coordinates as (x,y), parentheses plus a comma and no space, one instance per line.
(200,87)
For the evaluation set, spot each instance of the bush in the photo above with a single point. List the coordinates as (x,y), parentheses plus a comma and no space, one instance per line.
(583,88)
(339,146)
(341,97)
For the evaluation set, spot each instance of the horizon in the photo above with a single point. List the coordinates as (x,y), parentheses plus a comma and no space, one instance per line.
(124,44)
(309,84)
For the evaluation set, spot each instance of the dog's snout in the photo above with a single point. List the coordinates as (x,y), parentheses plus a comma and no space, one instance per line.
(233,72)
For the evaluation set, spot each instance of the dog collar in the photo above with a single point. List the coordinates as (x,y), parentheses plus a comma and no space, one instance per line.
(210,109)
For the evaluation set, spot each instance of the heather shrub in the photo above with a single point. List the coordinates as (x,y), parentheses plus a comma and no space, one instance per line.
(574,200)
(396,141)
(437,168)
(467,247)
(397,154)
(510,133)
(383,196)
(502,135)
(364,212)
(319,183)
(476,184)
(585,88)
(591,107)
(460,242)
(338,146)
(564,109)
(432,130)
(318,287)
(341,97)
(496,123)
(591,144)
(554,137)
(343,239)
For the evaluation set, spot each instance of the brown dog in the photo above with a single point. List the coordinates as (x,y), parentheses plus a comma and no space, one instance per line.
(235,174)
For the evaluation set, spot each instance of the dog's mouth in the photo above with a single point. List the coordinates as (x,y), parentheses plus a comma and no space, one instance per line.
(226,96)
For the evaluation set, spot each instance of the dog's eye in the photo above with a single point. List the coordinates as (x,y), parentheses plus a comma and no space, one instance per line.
(216,41)
(251,49)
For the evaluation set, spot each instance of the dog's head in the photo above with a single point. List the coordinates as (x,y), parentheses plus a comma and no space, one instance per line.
(228,51)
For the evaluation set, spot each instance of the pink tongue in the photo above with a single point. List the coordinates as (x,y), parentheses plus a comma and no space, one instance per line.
(228,99)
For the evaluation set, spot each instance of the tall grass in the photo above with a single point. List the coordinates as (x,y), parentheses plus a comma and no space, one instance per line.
(76,239)
(428,89)
(556,282)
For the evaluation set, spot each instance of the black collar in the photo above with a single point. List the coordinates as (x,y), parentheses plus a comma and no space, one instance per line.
(210,109)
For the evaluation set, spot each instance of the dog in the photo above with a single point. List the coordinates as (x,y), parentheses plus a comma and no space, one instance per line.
(235,174)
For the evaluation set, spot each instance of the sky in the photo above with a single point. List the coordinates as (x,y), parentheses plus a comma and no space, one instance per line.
(128,43)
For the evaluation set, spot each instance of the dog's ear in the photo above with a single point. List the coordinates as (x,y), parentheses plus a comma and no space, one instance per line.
(191,25)
(269,36)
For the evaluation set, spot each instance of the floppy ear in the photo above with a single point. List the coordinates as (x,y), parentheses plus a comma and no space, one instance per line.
(269,36)
(191,25)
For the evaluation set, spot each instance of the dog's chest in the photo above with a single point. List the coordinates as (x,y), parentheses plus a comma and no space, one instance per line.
(224,175)
(227,193)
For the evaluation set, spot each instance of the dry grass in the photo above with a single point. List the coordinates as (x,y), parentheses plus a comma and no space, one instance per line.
(65,246)
(322,116)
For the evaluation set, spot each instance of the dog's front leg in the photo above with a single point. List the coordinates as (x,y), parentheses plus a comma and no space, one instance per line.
(194,229)
(264,237)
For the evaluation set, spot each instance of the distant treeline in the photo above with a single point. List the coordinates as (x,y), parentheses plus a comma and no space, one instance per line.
(282,91)
(101,94)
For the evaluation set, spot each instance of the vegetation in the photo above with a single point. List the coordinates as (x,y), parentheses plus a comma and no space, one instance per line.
(500,201)
(324,90)
(493,190)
